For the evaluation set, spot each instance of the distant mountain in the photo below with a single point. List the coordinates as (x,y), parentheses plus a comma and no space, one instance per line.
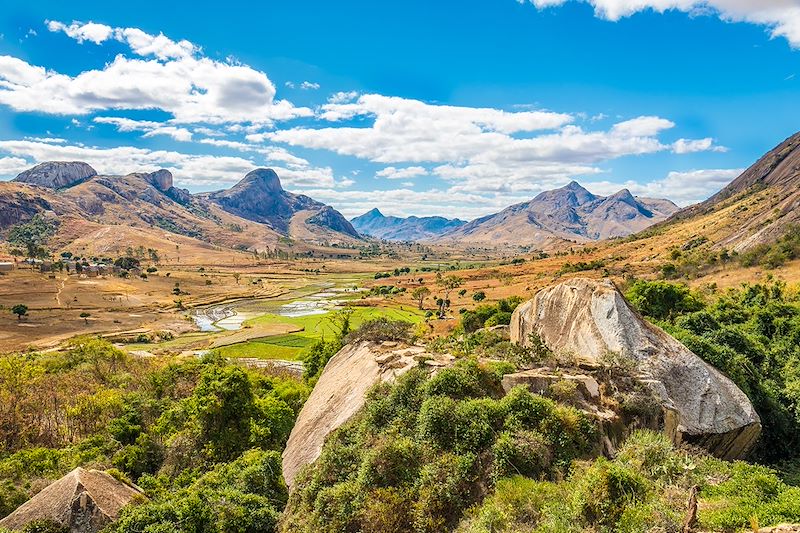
(255,214)
(570,213)
(375,224)
(260,197)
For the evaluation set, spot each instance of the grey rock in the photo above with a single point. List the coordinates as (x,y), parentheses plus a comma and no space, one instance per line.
(160,179)
(589,319)
(83,501)
(57,174)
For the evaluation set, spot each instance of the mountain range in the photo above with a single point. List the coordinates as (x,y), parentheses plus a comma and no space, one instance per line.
(376,224)
(255,214)
(568,214)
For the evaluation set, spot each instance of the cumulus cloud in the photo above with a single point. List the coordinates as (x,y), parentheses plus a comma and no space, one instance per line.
(780,17)
(682,187)
(393,173)
(150,128)
(309,85)
(169,76)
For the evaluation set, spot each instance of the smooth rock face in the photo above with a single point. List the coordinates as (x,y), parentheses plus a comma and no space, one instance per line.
(341,392)
(57,174)
(161,179)
(589,319)
(84,501)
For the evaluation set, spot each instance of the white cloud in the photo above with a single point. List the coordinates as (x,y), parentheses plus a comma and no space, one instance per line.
(780,17)
(150,128)
(91,31)
(11,166)
(684,188)
(688,146)
(170,76)
(393,173)
(309,85)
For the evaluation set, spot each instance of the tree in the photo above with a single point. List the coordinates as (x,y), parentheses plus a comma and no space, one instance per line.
(32,236)
(20,310)
(85,316)
(237,276)
(419,294)
(448,285)
(479,296)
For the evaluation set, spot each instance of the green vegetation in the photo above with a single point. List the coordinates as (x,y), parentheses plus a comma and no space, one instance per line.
(20,310)
(424,450)
(776,254)
(485,316)
(752,334)
(30,239)
(202,437)
(314,328)
(645,488)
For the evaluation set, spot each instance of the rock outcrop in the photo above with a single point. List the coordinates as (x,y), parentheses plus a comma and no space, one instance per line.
(590,319)
(260,197)
(341,392)
(84,501)
(160,179)
(57,174)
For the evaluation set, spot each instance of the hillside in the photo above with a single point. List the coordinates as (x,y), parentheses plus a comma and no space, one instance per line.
(255,214)
(568,214)
(376,224)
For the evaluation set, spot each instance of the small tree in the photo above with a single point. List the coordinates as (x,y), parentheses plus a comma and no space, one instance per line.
(479,296)
(237,276)
(85,316)
(20,310)
(448,284)
(419,294)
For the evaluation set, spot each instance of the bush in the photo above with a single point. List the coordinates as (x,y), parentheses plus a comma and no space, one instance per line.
(380,330)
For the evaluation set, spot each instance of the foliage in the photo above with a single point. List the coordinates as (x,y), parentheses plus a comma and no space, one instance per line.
(429,447)
(774,255)
(489,315)
(201,436)
(662,300)
(752,334)
(645,488)
(20,310)
(32,236)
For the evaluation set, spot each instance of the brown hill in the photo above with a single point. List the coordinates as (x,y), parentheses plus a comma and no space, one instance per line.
(112,213)
(762,203)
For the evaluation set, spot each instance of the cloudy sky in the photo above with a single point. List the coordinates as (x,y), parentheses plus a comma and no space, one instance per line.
(458,109)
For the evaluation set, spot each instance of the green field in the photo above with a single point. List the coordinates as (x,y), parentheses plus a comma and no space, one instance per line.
(291,347)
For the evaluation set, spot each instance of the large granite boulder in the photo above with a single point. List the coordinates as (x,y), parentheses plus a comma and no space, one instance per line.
(83,501)
(341,392)
(589,319)
(57,174)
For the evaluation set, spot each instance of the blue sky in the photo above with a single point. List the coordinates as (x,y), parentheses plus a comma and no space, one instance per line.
(455,108)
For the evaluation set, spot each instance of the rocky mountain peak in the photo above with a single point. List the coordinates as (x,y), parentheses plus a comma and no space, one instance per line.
(161,179)
(264,178)
(57,174)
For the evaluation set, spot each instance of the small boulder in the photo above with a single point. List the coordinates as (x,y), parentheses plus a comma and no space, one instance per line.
(589,319)
(84,501)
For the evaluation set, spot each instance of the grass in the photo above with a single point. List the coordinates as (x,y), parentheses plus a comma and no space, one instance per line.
(291,346)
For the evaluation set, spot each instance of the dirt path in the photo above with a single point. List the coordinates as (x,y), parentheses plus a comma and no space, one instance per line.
(60,290)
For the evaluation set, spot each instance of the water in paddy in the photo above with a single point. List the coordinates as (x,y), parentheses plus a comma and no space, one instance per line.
(229,315)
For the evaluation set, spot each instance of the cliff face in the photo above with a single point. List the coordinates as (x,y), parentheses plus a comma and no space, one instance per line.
(590,319)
